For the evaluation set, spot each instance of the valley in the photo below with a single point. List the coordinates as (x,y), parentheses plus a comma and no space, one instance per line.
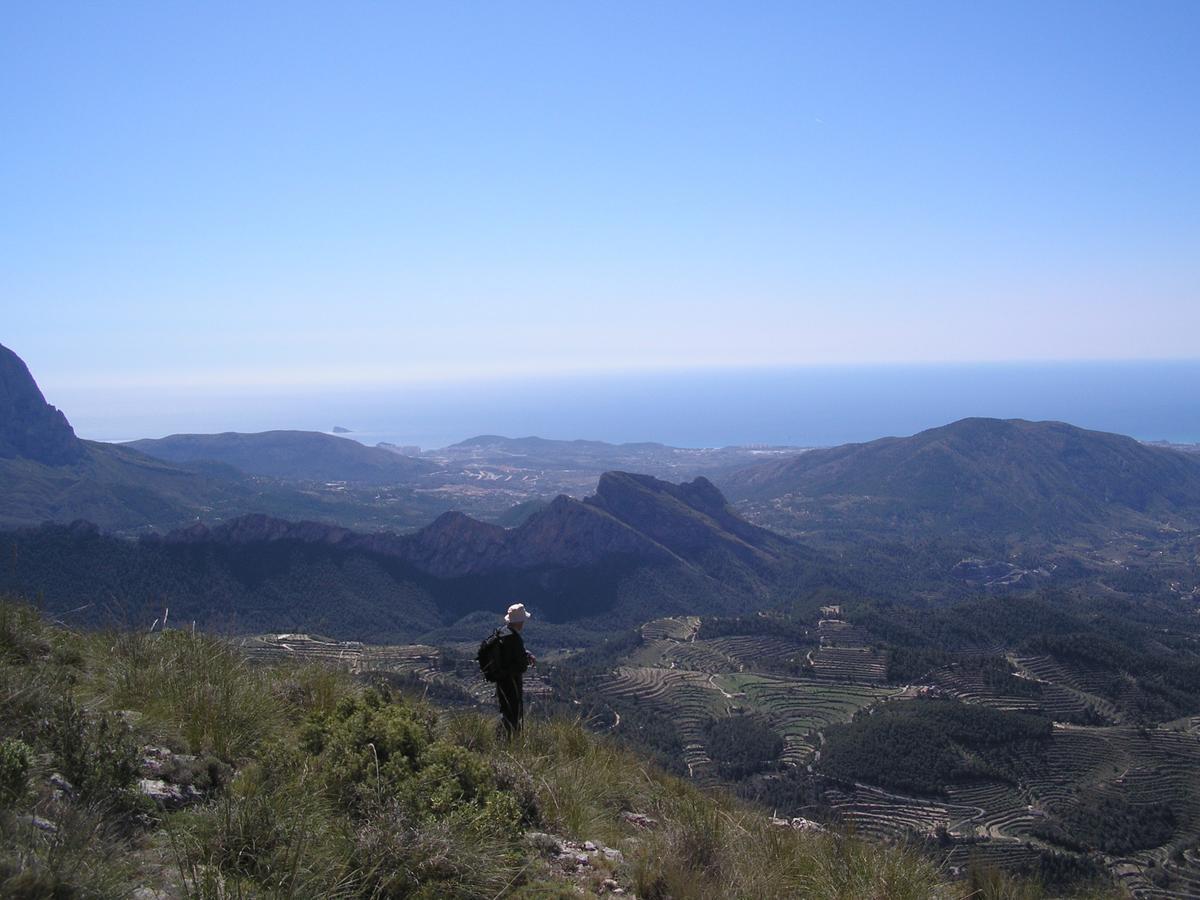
(1050,772)
(982,640)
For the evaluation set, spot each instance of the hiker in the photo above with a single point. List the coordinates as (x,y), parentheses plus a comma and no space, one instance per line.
(506,661)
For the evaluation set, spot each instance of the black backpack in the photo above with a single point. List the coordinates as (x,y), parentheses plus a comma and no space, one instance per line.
(488,656)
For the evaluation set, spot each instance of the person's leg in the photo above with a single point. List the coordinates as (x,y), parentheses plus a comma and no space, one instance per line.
(509,697)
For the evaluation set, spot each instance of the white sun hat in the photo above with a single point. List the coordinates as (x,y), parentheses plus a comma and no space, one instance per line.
(517,613)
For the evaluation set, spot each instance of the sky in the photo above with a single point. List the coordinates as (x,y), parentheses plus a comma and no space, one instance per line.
(249,197)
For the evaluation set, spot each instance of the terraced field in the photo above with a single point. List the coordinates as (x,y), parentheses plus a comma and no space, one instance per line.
(672,628)
(850,664)
(305,648)
(698,656)
(688,697)
(759,651)
(799,708)
(994,821)
(693,680)
(1051,700)
(879,814)
(1068,683)
(846,654)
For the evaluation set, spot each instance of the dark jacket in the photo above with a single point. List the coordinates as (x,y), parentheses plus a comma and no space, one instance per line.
(513,660)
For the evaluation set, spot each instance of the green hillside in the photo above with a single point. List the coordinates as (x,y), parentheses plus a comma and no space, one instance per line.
(165,764)
(986,478)
(296,455)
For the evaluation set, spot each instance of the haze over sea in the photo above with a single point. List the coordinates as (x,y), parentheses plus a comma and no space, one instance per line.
(803,406)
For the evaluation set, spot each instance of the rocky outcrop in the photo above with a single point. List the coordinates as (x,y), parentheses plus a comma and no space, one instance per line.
(632,517)
(30,428)
(690,519)
(174,780)
(592,868)
(453,545)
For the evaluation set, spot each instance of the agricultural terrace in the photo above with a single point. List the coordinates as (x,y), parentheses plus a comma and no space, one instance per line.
(799,708)
(1145,781)
(690,680)
(674,628)
(1024,693)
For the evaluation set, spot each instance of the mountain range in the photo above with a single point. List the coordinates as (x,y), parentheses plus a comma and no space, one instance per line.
(978,478)
(293,455)
(637,542)
(638,547)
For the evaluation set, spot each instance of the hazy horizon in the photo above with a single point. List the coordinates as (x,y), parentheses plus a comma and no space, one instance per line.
(800,406)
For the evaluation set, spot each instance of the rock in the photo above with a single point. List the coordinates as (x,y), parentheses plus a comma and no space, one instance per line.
(638,820)
(30,428)
(545,843)
(39,823)
(62,787)
(610,885)
(167,795)
(589,846)
(798,823)
(613,855)
(155,761)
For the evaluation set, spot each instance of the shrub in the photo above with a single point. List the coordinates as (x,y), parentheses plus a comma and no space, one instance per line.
(195,685)
(15,760)
(96,754)
(82,858)
(272,832)
(23,633)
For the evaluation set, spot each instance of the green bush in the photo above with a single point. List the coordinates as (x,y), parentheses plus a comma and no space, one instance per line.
(16,758)
(23,633)
(96,754)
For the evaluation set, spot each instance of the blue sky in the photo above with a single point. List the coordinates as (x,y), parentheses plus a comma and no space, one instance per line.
(239,197)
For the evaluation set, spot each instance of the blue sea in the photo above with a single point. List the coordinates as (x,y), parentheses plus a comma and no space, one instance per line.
(802,406)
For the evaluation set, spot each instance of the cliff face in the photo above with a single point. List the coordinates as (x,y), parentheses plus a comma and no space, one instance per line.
(30,428)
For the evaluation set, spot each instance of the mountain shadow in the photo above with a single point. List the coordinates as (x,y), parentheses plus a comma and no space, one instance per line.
(638,549)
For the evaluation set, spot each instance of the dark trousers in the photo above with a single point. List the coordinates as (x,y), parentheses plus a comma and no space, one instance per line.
(510,695)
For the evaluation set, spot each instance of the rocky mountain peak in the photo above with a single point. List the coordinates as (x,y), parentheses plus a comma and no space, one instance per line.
(30,428)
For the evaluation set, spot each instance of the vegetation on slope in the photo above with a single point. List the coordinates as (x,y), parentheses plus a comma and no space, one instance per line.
(927,745)
(1112,824)
(981,477)
(742,745)
(304,783)
(1152,672)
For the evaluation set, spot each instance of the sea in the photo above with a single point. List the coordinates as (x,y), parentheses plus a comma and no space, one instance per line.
(799,406)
